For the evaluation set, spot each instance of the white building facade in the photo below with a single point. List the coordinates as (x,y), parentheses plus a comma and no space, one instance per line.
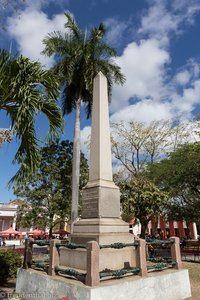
(8,213)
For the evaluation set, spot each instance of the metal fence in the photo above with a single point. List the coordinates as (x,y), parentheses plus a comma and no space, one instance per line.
(145,261)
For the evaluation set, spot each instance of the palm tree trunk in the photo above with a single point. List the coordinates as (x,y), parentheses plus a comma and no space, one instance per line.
(76,166)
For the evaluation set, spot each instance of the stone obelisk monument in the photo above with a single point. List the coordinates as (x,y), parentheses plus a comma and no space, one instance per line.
(100,218)
(101,222)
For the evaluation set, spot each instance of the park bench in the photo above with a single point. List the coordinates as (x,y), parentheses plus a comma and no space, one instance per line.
(190,249)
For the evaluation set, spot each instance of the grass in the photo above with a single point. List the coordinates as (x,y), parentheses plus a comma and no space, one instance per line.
(194,274)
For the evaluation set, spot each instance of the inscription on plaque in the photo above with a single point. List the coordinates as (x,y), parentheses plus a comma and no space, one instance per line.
(90,203)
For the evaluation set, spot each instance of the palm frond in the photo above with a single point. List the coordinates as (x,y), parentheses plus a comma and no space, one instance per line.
(80,59)
(73,27)
(31,90)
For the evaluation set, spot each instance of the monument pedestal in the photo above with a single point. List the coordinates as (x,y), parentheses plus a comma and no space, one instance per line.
(101,199)
(101,222)
(102,230)
(171,285)
(101,216)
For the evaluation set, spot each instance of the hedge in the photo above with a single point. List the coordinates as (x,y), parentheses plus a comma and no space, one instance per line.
(9,263)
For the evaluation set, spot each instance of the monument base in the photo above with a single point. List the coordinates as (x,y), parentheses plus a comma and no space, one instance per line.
(113,259)
(170,284)
(102,230)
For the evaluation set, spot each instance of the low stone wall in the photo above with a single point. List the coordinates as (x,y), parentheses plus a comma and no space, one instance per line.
(113,259)
(76,258)
(168,285)
(92,262)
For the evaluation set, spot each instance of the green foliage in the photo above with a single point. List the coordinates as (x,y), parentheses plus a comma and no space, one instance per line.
(142,198)
(25,90)
(48,194)
(80,57)
(10,261)
(179,175)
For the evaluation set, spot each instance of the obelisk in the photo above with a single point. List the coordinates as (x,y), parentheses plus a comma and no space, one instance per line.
(100,217)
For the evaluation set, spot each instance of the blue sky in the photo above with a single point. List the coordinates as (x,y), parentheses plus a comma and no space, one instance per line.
(158,48)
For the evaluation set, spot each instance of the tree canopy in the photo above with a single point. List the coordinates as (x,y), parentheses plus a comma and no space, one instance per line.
(48,194)
(141,199)
(179,174)
(81,55)
(135,145)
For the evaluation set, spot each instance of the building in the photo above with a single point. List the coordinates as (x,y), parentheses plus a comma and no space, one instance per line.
(8,214)
(167,228)
(173,228)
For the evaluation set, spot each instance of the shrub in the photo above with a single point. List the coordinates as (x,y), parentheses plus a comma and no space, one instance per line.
(9,263)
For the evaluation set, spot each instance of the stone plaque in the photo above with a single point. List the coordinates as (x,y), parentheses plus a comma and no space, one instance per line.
(90,203)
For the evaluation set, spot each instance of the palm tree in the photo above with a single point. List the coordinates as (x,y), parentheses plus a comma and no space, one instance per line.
(25,90)
(80,57)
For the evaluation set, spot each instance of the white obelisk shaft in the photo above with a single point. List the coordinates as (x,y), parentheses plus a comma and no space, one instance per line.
(100,151)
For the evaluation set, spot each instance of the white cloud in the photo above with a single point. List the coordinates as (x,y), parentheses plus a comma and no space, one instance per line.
(186,102)
(144,67)
(166,17)
(188,9)
(186,75)
(194,67)
(158,22)
(115,30)
(30,29)
(145,111)
(179,105)
(183,78)
(38,4)
(85,136)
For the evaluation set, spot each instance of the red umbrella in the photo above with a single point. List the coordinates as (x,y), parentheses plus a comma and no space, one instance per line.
(36,232)
(10,231)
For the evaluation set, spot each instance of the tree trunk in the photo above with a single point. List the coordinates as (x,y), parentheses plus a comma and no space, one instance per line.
(51,225)
(50,232)
(156,224)
(143,229)
(76,166)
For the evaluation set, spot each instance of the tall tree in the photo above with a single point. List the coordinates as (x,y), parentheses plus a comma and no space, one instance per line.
(25,91)
(134,144)
(141,198)
(179,175)
(45,195)
(80,56)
